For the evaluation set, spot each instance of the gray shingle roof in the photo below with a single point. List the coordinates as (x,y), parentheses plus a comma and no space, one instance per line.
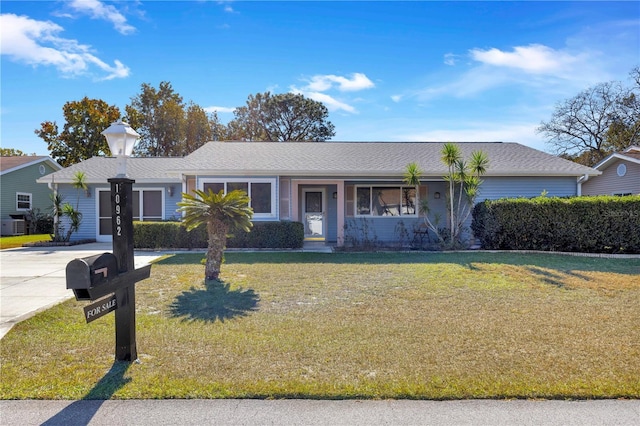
(142,170)
(324,159)
(369,159)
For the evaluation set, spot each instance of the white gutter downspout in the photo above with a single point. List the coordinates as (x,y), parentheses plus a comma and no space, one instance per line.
(582,180)
(54,187)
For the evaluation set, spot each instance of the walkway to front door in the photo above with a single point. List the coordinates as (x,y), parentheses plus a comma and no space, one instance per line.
(317,247)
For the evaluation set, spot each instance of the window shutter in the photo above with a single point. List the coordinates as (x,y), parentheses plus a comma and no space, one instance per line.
(349,200)
(191,185)
(423,193)
(285,199)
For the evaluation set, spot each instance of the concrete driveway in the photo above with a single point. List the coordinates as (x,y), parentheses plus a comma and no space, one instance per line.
(32,279)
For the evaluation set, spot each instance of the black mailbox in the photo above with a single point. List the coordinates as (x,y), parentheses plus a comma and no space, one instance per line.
(90,272)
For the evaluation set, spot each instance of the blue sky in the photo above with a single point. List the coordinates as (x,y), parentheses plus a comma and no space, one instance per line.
(387,71)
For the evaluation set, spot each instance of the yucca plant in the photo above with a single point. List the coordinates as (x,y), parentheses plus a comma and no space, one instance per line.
(222,213)
(463,179)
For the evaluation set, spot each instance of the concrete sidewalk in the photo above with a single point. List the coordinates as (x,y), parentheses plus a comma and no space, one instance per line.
(316,412)
(32,279)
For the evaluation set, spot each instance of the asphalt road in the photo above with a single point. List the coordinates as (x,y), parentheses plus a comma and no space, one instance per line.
(313,412)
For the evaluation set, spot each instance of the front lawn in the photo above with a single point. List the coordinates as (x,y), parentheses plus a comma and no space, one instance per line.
(19,240)
(348,325)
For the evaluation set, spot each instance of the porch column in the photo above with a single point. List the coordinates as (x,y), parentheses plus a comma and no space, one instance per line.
(295,211)
(340,216)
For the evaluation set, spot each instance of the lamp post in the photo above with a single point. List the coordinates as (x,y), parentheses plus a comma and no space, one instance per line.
(121,139)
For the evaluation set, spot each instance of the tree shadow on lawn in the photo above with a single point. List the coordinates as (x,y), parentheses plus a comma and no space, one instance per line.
(216,302)
(550,278)
(563,263)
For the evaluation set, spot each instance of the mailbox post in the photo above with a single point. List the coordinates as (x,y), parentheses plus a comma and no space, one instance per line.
(114,274)
(121,139)
(122,231)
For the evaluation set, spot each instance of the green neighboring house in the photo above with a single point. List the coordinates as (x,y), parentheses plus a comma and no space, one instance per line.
(19,191)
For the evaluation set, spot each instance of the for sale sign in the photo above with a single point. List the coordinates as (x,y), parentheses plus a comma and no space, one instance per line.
(100,308)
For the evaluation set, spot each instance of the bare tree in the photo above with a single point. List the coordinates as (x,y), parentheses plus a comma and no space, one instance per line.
(598,121)
(580,124)
(625,130)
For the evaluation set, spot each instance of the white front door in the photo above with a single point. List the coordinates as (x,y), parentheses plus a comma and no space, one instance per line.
(314,211)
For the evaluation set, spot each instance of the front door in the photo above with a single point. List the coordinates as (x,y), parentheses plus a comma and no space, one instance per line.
(314,208)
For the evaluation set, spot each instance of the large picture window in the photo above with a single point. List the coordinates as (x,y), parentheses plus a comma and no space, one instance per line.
(386,201)
(146,205)
(261,192)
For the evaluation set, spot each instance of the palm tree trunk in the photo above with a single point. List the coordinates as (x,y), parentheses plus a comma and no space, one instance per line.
(217,234)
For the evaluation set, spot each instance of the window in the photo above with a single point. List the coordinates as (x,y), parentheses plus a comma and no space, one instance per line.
(386,201)
(146,204)
(261,198)
(621,170)
(261,192)
(23,201)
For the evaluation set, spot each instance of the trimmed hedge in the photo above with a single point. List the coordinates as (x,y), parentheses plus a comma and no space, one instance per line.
(172,235)
(602,224)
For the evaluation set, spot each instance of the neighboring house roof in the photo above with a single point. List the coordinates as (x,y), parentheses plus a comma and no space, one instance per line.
(142,170)
(323,159)
(13,163)
(631,154)
(368,159)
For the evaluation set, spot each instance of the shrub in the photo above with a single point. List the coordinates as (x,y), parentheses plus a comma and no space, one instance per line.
(603,224)
(156,235)
(269,235)
(39,222)
(359,234)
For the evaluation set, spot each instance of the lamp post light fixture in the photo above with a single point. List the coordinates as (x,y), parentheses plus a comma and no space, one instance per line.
(121,139)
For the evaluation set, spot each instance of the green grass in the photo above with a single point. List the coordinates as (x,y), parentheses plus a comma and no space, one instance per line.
(374,325)
(19,240)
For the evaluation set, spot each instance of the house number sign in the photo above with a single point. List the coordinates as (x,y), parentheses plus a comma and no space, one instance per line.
(117,209)
(122,221)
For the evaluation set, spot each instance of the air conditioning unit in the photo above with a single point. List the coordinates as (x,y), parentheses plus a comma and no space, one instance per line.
(13,227)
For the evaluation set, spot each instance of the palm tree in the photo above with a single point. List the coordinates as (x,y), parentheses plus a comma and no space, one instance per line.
(73,214)
(61,209)
(80,184)
(451,156)
(221,213)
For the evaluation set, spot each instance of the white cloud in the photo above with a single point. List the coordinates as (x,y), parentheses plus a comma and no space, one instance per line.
(534,70)
(535,59)
(330,102)
(450,59)
(226,6)
(98,10)
(396,98)
(357,81)
(36,43)
(219,109)
(474,81)
(318,84)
